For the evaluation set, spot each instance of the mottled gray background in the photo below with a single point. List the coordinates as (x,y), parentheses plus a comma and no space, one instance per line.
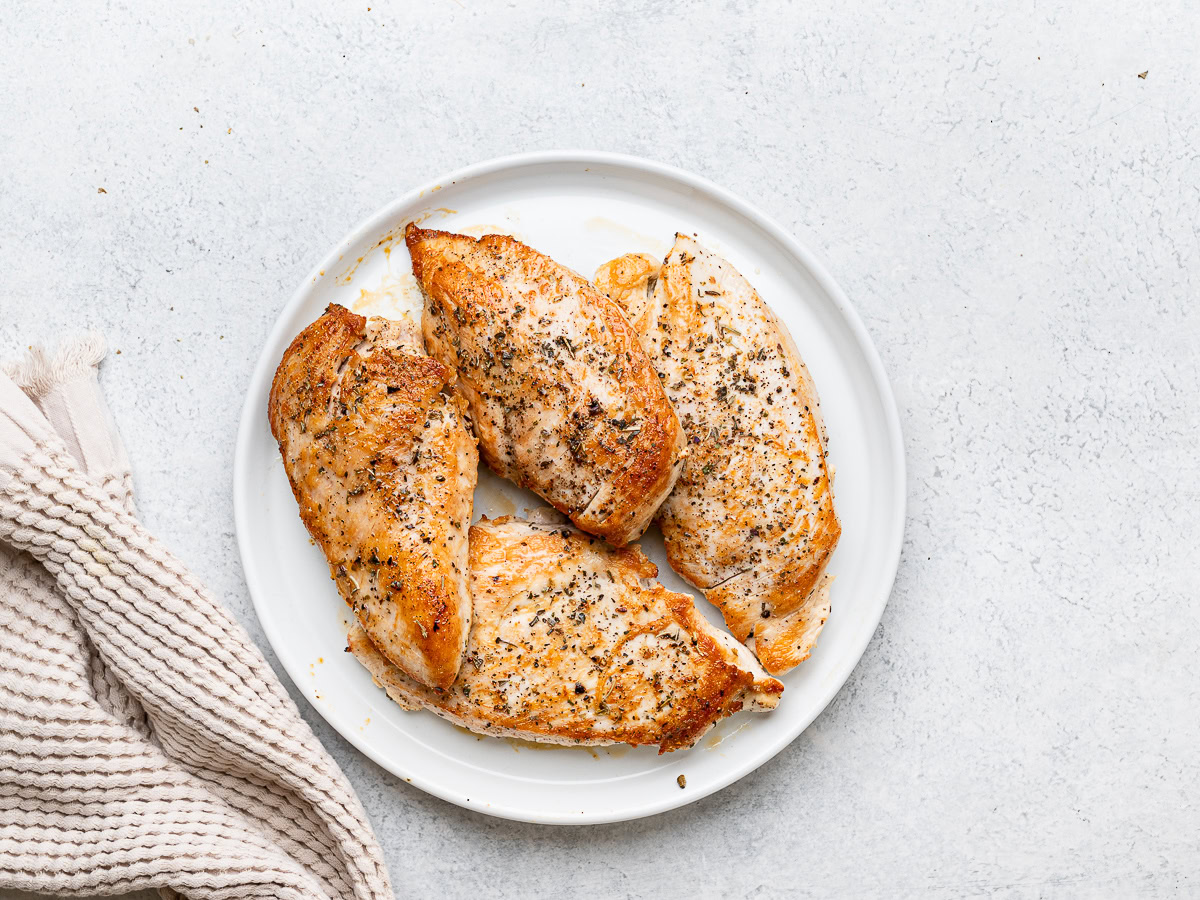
(1012,210)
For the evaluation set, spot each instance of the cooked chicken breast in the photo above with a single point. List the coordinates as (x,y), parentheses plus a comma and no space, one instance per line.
(751,519)
(374,442)
(629,281)
(562,396)
(572,643)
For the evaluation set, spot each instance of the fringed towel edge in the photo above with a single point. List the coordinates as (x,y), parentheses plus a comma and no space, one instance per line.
(40,371)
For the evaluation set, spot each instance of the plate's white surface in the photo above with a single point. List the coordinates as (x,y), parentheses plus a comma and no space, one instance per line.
(581,209)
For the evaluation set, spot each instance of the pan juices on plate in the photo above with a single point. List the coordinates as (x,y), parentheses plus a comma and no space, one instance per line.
(751,520)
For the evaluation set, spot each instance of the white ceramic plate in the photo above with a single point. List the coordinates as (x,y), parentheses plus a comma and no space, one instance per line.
(581,209)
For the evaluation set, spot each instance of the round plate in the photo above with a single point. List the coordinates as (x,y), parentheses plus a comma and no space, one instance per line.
(581,209)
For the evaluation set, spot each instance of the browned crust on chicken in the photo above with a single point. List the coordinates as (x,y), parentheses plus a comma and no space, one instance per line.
(571,643)
(561,393)
(628,282)
(751,520)
(373,440)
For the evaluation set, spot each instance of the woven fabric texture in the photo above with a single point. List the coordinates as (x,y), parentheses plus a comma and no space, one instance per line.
(144,740)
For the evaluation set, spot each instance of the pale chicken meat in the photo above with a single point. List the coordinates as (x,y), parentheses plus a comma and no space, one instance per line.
(751,520)
(563,398)
(375,444)
(572,643)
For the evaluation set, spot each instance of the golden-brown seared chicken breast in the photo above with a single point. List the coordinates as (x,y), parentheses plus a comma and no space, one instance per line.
(571,643)
(751,519)
(374,443)
(562,396)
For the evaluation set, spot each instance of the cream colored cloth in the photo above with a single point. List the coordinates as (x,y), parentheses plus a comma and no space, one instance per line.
(144,741)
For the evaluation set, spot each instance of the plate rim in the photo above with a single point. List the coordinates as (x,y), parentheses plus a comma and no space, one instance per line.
(263,373)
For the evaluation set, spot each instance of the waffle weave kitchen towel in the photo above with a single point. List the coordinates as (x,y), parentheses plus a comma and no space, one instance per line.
(144,741)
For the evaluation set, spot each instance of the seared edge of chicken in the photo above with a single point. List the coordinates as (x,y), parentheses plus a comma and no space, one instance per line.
(375,446)
(572,643)
(751,520)
(629,282)
(562,396)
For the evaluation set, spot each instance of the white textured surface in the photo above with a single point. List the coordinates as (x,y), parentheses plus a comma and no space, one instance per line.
(1011,209)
